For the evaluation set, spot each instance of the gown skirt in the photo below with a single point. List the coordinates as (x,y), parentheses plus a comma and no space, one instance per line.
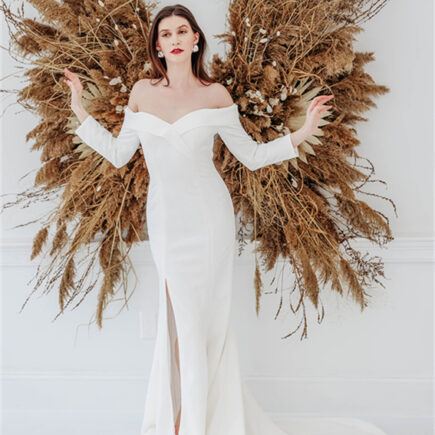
(191,228)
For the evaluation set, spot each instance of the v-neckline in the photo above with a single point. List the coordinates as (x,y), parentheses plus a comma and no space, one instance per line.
(141,112)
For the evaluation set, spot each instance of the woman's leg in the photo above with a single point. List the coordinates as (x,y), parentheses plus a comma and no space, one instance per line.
(177,423)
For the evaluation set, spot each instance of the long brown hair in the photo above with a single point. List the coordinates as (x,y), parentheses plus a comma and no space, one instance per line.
(158,70)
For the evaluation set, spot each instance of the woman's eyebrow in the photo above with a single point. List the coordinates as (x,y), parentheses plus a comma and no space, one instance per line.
(165,30)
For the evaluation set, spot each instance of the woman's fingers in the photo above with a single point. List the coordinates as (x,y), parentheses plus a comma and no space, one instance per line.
(320,99)
(72,76)
(68,75)
(72,80)
(321,107)
(68,72)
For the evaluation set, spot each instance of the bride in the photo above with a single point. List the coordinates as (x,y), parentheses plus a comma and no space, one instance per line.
(173,116)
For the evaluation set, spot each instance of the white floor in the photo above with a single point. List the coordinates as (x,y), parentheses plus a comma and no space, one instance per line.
(128,423)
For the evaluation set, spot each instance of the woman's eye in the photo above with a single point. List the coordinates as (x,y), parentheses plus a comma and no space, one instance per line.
(164,34)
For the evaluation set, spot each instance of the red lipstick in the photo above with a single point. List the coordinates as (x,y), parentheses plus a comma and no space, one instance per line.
(177,50)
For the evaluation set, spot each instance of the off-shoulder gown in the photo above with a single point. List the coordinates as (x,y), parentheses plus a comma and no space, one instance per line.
(191,228)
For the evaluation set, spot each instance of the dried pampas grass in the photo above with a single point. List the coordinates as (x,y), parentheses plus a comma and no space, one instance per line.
(305,212)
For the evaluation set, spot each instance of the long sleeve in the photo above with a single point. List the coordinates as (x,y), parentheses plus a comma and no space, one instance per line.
(118,150)
(252,154)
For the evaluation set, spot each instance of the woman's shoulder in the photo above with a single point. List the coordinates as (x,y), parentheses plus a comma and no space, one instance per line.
(215,93)
(220,95)
(138,91)
(140,85)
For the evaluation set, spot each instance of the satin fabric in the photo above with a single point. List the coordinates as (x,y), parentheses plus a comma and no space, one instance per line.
(191,228)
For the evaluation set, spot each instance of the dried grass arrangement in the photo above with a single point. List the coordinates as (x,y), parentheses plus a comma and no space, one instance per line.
(281,55)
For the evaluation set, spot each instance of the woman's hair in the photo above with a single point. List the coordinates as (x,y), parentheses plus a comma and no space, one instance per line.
(158,70)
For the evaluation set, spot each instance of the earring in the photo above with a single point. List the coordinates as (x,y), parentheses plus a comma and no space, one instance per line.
(195,48)
(160,53)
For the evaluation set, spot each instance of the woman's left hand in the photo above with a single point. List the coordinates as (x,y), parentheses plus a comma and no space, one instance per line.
(314,113)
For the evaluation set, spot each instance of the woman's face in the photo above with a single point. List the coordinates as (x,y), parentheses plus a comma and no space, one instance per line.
(175,32)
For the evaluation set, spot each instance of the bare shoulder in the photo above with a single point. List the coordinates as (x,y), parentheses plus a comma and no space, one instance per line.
(137,91)
(220,95)
(142,83)
(140,86)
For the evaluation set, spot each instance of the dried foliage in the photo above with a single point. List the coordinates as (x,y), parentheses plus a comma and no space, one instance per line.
(304,211)
(281,55)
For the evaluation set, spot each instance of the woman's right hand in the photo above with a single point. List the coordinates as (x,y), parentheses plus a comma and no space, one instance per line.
(73,81)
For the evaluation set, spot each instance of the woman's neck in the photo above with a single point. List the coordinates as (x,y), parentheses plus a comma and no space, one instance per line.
(181,77)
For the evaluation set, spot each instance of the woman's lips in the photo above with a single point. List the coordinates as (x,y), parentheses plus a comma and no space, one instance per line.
(177,51)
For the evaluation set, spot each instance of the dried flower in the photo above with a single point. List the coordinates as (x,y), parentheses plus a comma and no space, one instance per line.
(273,101)
(115,81)
(303,231)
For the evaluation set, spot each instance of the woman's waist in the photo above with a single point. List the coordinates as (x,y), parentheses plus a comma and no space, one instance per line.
(188,189)
(201,176)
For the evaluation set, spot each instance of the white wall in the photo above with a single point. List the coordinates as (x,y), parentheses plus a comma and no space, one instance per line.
(377,365)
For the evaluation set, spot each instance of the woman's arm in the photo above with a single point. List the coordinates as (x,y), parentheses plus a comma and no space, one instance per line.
(256,155)
(118,150)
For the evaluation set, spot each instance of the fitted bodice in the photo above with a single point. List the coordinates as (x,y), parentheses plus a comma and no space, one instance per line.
(187,143)
(184,147)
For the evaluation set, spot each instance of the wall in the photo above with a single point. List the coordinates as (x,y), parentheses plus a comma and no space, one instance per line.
(377,365)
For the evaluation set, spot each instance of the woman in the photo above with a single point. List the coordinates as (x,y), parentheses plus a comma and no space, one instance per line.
(191,226)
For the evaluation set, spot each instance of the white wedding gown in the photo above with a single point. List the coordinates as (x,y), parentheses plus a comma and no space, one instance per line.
(191,228)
